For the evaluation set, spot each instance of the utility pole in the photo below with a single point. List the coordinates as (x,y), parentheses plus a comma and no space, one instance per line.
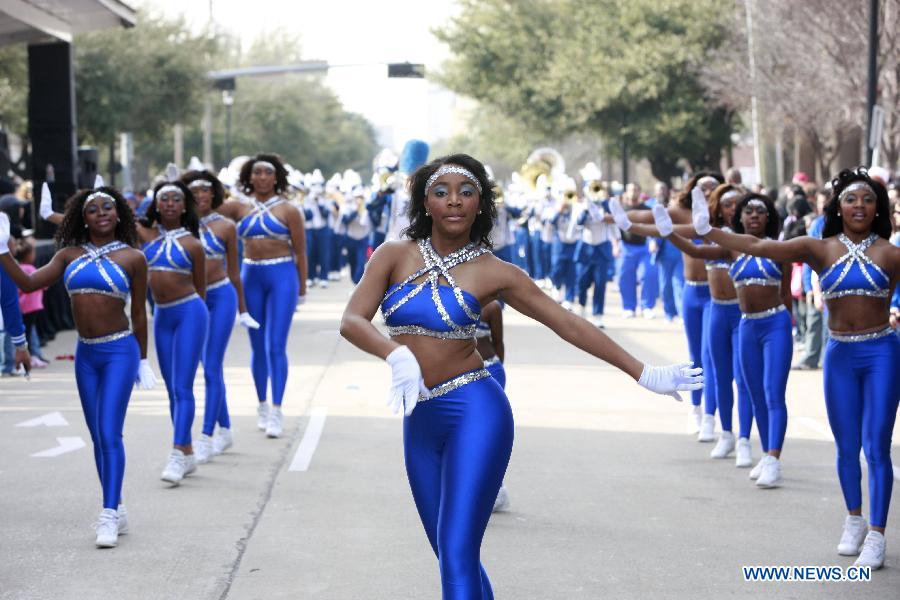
(873,79)
(754,111)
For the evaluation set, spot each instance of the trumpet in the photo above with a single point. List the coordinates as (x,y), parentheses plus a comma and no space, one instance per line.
(498,195)
(596,190)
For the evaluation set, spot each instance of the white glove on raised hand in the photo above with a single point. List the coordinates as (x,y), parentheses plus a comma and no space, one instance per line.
(146,380)
(619,215)
(46,202)
(671,379)
(700,212)
(4,233)
(663,220)
(406,381)
(248,321)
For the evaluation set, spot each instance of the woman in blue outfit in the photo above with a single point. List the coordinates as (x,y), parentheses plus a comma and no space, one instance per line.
(170,232)
(721,335)
(224,299)
(431,288)
(858,268)
(695,298)
(101,271)
(274,273)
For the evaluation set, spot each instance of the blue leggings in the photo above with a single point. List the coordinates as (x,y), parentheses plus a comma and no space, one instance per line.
(105,375)
(497,371)
(592,264)
(271,294)
(457,447)
(722,336)
(180,333)
(356,256)
(695,313)
(637,256)
(862,390)
(766,346)
(222,304)
(562,270)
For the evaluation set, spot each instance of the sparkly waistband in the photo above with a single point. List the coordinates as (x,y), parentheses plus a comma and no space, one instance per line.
(723,302)
(494,360)
(268,261)
(482,333)
(457,382)
(861,337)
(764,313)
(112,337)
(187,298)
(217,284)
(696,283)
(463,333)
(856,292)
(756,281)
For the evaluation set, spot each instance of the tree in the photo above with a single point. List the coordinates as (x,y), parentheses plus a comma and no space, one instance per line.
(624,71)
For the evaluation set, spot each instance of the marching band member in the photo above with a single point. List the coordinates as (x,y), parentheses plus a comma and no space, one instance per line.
(562,251)
(593,253)
(355,219)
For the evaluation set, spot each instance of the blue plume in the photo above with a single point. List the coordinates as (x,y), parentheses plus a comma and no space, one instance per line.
(414,155)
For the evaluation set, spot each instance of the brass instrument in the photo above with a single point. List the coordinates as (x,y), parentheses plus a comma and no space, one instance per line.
(498,195)
(543,161)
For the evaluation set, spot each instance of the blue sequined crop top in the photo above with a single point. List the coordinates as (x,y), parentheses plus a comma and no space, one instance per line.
(213,245)
(261,223)
(754,270)
(166,254)
(854,273)
(719,263)
(444,311)
(95,273)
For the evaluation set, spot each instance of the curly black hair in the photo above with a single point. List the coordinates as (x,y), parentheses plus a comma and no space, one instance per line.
(684,196)
(833,222)
(281,182)
(73,230)
(420,223)
(773,221)
(189,219)
(218,190)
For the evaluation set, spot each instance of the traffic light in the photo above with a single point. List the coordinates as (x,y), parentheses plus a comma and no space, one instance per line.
(407,70)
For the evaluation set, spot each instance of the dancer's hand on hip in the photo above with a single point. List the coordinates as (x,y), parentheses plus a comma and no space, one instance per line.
(663,220)
(248,321)
(700,212)
(619,215)
(406,381)
(146,380)
(671,379)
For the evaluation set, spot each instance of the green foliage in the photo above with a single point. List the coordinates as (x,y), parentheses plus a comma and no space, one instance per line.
(14,88)
(623,70)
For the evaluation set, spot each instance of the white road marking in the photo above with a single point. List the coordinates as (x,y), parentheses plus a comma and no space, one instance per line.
(66,444)
(310,440)
(54,419)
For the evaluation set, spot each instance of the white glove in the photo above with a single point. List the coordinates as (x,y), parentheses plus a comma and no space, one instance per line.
(700,212)
(4,233)
(46,202)
(146,380)
(619,216)
(301,300)
(406,381)
(248,321)
(671,379)
(663,220)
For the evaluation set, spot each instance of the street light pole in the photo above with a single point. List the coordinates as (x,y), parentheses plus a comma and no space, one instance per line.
(873,76)
(228,101)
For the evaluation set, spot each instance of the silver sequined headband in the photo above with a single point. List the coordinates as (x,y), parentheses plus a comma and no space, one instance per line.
(729,194)
(707,179)
(95,196)
(445,169)
(264,163)
(856,185)
(200,183)
(169,188)
(757,202)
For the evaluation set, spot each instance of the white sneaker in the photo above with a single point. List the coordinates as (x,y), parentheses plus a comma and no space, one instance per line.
(707,428)
(627,314)
(502,502)
(755,471)
(123,520)
(743,457)
(872,553)
(107,527)
(190,464)
(855,530)
(203,449)
(582,311)
(274,428)
(174,471)
(323,283)
(649,313)
(770,476)
(262,416)
(693,421)
(597,321)
(221,440)
(567,305)
(724,446)
(557,295)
